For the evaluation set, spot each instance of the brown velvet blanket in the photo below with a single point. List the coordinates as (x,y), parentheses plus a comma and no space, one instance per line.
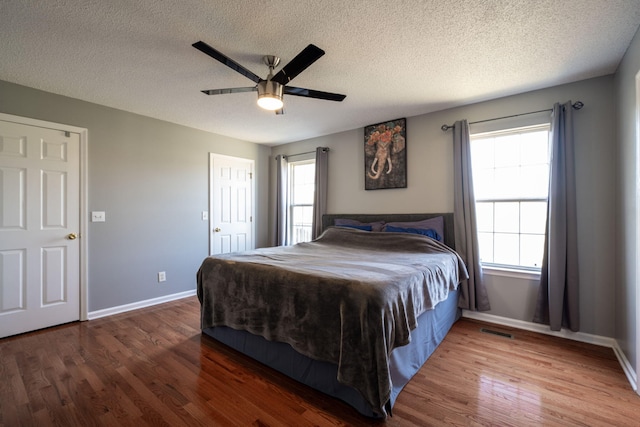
(349,297)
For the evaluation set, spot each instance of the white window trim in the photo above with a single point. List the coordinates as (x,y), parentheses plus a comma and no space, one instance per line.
(305,160)
(512,271)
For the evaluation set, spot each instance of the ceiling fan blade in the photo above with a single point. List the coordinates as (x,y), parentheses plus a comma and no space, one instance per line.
(229,90)
(310,93)
(205,48)
(304,59)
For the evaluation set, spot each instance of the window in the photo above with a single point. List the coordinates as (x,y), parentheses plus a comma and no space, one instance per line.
(511,184)
(301,194)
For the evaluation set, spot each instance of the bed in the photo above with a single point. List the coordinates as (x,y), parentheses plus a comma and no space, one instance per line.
(353,314)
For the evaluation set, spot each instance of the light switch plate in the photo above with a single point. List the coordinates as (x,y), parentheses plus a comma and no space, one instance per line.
(205,215)
(98,216)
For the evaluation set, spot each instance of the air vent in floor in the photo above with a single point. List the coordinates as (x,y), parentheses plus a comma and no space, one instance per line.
(498,333)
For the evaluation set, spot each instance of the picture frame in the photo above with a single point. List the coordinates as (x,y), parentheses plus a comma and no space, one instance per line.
(385,155)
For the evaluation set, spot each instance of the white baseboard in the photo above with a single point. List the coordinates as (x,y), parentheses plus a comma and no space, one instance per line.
(576,336)
(626,366)
(136,305)
(537,327)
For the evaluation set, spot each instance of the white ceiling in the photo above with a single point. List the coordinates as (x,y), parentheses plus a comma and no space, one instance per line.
(391,58)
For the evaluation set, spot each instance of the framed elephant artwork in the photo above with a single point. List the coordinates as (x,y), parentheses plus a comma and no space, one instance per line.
(385,155)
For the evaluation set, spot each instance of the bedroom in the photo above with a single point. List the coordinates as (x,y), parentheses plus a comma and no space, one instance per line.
(134,162)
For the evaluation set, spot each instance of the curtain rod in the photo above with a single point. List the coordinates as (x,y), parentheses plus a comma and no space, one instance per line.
(576,106)
(324,150)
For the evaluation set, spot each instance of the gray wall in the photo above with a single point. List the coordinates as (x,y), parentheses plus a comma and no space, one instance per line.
(627,214)
(430,187)
(151,179)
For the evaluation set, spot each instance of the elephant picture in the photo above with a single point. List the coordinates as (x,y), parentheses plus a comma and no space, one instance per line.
(385,155)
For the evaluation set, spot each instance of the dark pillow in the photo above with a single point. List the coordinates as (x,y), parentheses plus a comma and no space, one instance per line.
(358,227)
(430,232)
(436,224)
(375,226)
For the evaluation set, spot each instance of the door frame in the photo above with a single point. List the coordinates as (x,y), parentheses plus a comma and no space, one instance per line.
(83,163)
(637,224)
(212,156)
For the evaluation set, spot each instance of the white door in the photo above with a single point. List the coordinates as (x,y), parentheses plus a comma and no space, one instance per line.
(39,227)
(230,204)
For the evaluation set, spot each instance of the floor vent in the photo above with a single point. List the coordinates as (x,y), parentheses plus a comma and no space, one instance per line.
(498,333)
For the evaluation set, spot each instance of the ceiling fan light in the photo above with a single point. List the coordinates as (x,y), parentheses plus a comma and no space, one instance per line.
(270,103)
(270,95)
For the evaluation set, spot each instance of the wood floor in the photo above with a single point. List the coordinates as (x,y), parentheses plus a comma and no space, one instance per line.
(153,367)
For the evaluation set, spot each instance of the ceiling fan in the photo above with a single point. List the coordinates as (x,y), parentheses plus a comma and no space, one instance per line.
(271,89)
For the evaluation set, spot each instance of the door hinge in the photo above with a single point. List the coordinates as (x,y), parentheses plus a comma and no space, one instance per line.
(250,175)
(250,219)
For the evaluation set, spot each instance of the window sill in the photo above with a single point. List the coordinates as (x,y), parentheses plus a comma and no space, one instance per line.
(511,272)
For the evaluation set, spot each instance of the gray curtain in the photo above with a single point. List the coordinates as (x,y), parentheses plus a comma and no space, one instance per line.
(473,294)
(320,194)
(281,229)
(558,293)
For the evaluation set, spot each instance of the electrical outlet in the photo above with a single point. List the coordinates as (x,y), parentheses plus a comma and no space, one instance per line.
(162,276)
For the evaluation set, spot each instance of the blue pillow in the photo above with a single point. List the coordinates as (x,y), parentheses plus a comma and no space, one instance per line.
(359,227)
(436,223)
(425,232)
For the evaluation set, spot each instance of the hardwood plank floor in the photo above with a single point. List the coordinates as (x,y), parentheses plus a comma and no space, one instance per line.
(153,367)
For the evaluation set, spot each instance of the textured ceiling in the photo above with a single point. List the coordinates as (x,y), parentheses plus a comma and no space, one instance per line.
(391,58)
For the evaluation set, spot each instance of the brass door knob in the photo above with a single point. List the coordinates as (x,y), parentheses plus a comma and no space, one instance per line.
(72,236)
(217,229)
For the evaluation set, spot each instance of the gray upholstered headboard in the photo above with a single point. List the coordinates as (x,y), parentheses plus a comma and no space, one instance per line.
(449,238)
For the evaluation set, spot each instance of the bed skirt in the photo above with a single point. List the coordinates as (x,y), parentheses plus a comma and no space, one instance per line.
(433,326)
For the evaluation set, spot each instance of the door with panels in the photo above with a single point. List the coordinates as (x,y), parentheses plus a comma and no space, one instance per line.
(39,227)
(230,204)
